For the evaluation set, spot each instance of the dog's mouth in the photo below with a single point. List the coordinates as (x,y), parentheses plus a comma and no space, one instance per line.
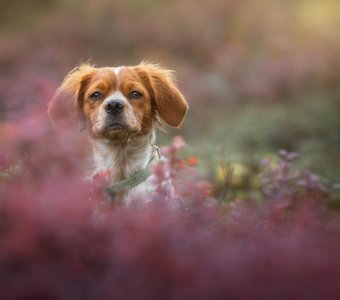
(118,131)
(115,129)
(116,126)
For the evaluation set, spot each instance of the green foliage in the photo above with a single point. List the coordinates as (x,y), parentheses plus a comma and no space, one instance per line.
(308,125)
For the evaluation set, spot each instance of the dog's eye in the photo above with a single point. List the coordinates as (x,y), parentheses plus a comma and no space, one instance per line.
(95,96)
(136,95)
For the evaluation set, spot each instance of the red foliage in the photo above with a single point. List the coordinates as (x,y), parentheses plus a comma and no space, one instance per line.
(57,242)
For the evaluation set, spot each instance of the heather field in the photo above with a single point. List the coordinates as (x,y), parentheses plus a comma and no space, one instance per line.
(255,166)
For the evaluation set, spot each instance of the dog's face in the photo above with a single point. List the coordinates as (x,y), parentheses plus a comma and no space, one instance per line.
(118,103)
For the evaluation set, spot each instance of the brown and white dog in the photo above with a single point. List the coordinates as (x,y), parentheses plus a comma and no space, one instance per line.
(121,108)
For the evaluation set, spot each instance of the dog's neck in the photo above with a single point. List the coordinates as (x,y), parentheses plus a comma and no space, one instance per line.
(123,160)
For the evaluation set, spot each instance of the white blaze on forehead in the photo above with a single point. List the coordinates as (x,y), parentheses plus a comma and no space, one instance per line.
(117,69)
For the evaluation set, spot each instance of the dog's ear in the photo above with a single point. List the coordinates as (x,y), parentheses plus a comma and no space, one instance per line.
(65,107)
(167,99)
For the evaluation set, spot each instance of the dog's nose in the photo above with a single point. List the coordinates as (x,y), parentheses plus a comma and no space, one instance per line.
(114,106)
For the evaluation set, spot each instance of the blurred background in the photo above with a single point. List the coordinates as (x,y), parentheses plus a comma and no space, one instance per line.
(259,76)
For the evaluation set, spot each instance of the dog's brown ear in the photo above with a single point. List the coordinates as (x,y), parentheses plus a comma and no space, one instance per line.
(66,103)
(170,103)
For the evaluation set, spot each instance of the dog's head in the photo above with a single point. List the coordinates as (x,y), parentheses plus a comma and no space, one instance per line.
(117,103)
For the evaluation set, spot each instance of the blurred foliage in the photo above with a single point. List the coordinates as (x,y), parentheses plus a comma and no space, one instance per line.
(259,75)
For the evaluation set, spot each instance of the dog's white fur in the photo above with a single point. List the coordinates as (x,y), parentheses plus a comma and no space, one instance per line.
(128,159)
(122,159)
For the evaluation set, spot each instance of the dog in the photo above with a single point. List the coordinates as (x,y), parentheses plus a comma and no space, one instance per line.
(121,108)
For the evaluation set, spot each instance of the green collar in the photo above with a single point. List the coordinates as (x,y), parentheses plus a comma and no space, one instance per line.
(123,186)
